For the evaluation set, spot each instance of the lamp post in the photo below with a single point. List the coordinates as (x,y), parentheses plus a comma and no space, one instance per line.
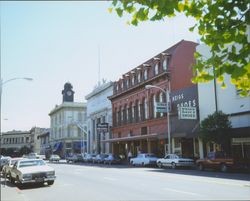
(1,87)
(167,93)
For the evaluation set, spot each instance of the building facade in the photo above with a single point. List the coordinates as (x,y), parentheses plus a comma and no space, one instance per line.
(213,98)
(35,132)
(44,142)
(68,125)
(99,115)
(13,141)
(137,126)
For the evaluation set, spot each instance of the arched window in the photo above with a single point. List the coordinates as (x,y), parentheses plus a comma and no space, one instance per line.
(146,108)
(139,77)
(154,105)
(156,69)
(133,80)
(161,96)
(139,111)
(127,83)
(145,74)
(165,64)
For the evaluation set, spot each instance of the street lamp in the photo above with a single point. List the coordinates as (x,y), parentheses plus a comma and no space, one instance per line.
(1,85)
(167,93)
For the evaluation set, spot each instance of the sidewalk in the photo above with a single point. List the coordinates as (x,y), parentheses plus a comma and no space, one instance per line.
(9,192)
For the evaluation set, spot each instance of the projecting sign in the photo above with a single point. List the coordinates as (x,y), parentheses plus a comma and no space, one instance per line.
(102,127)
(187,113)
(161,107)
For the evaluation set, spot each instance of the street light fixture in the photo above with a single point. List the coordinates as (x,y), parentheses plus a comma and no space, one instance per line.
(1,85)
(167,93)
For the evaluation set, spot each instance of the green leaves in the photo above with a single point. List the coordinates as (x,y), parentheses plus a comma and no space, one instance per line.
(221,24)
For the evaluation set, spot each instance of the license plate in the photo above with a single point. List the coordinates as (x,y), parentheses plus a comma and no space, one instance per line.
(39,179)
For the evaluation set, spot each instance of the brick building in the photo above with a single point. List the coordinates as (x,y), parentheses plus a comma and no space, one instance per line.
(136,124)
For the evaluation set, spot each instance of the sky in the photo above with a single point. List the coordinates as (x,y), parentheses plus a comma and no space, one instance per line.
(58,42)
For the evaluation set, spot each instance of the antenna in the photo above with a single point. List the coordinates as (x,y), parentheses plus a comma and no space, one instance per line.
(99,66)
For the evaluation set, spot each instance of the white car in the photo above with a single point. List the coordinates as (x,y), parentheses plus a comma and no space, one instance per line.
(144,159)
(173,161)
(32,171)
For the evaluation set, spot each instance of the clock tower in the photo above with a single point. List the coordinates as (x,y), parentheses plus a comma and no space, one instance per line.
(68,93)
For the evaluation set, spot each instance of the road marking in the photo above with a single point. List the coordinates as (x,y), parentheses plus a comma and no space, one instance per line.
(178,191)
(109,178)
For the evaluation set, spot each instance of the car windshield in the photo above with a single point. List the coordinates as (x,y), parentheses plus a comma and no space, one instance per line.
(31,163)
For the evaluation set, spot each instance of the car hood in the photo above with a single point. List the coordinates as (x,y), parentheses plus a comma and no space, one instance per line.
(35,169)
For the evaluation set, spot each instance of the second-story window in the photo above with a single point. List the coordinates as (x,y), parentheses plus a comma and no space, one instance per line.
(117,87)
(156,69)
(122,85)
(127,83)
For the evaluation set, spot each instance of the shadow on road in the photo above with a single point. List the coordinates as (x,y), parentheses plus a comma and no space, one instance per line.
(207,173)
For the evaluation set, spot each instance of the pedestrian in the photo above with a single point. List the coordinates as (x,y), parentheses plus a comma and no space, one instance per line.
(129,156)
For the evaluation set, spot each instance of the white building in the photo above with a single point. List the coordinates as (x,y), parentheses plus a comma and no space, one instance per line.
(67,123)
(99,114)
(212,97)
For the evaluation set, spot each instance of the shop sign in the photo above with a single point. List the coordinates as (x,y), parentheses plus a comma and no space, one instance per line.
(187,113)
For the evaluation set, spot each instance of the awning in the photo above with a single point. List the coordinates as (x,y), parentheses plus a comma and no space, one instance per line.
(136,137)
(57,146)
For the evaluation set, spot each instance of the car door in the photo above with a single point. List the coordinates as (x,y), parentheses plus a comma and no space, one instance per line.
(14,170)
(167,160)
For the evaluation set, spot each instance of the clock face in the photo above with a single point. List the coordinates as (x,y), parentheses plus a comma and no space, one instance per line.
(69,93)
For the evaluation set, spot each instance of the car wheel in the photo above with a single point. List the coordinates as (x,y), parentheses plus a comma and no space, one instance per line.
(223,168)
(50,183)
(173,165)
(159,164)
(12,180)
(131,163)
(200,167)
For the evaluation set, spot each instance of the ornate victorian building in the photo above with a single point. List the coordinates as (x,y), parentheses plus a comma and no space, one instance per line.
(137,126)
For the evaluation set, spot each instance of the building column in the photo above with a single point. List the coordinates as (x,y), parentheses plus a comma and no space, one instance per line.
(201,153)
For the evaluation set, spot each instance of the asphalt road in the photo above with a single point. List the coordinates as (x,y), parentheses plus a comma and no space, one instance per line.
(88,182)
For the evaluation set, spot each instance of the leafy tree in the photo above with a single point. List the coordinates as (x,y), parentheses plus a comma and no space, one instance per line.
(24,150)
(224,25)
(215,129)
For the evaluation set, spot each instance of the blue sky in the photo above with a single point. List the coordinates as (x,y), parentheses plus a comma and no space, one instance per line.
(56,42)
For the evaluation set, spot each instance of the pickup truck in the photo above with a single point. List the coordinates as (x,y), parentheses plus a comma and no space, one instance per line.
(215,160)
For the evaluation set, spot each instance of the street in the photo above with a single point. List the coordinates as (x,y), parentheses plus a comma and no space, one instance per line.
(118,182)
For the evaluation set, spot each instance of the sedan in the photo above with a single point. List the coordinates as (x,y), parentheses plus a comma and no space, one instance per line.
(55,158)
(173,161)
(112,159)
(32,171)
(88,157)
(99,158)
(144,159)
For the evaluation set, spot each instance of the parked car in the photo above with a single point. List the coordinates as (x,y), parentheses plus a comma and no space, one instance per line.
(32,171)
(3,161)
(7,168)
(79,157)
(144,159)
(215,160)
(173,161)
(88,157)
(99,158)
(112,159)
(71,158)
(54,158)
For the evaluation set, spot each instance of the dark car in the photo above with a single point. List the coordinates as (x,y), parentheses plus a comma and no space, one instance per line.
(99,158)
(112,159)
(216,160)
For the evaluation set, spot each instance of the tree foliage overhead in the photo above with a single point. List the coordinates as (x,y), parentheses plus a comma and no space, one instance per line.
(215,129)
(224,25)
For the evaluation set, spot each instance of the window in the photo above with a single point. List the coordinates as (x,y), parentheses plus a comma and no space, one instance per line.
(165,64)
(127,82)
(122,85)
(161,100)
(145,74)
(139,77)
(117,87)
(156,69)
(154,105)
(146,108)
